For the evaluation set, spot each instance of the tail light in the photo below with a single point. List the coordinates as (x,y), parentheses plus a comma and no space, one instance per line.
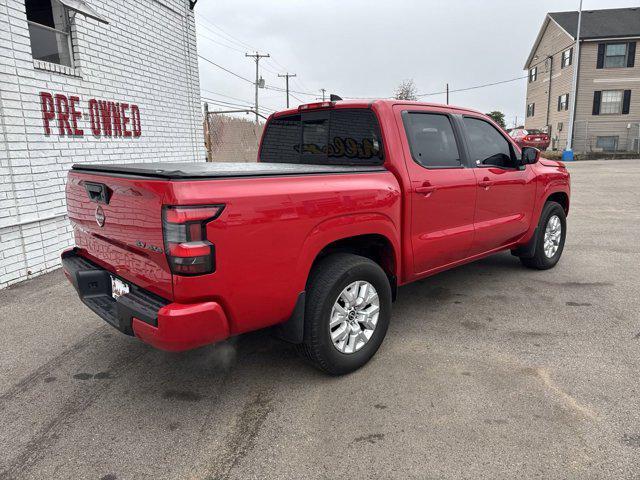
(188,250)
(316,106)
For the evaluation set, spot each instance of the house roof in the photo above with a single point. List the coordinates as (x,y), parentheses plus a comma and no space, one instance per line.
(610,23)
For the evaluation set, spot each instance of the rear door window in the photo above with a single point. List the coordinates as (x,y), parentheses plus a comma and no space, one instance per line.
(432,140)
(324,137)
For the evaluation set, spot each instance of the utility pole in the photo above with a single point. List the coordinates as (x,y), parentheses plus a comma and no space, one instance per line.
(323,90)
(257,56)
(568,152)
(287,76)
(447,94)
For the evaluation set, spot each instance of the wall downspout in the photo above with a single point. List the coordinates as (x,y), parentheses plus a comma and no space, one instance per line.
(549,94)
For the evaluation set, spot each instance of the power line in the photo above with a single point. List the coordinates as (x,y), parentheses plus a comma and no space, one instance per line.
(237,41)
(231,37)
(298,99)
(472,88)
(241,103)
(248,102)
(227,105)
(225,69)
(291,92)
(278,89)
(268,87)
(219,102)
(220,43)
(224,95)
(224,35)
(300,84)
(270,70)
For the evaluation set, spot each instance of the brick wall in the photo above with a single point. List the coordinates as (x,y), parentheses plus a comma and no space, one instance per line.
(145,56)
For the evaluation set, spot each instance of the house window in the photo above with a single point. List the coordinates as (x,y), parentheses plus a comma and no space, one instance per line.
(533,74)
(531,109)
(607,144)
(49,31)
(567,57)
(615,55)
(611,102)
(563,102)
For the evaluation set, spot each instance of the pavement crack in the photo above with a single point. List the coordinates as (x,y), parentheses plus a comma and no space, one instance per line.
(43,372)
(243,437)
(41,443)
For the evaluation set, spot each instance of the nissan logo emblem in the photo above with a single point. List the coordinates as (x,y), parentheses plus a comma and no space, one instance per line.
(100,216)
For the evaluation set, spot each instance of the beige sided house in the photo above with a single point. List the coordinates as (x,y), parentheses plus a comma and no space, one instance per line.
(608,94)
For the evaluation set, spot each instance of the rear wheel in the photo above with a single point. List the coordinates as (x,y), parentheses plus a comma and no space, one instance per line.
(347,313)
(552,231)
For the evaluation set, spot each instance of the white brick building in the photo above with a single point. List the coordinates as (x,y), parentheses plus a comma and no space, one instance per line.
(75,89)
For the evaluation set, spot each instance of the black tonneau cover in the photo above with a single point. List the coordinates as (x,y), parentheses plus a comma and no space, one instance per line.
(206,170)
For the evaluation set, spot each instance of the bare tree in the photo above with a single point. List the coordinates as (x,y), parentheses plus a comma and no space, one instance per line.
(406,91)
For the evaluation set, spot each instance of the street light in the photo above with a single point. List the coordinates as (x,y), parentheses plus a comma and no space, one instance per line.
(567,155)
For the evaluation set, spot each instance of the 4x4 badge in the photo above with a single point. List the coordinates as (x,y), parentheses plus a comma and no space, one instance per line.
(100,218)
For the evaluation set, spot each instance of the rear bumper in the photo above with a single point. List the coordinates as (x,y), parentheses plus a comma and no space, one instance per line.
(156,321)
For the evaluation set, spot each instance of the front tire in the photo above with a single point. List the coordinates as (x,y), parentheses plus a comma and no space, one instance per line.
(347,313)
(551,234)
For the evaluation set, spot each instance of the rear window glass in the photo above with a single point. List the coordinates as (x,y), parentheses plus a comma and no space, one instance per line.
(333,137)
(282,140)
(533,132)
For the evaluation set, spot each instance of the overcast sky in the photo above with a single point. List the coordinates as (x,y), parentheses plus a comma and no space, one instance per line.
(365,48)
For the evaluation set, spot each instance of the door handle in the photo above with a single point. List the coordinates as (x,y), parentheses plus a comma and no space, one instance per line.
(425,189)
(485,183)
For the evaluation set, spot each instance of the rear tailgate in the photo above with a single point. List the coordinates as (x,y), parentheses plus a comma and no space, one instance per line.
(118,224)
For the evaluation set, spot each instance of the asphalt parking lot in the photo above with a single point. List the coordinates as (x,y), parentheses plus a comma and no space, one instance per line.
(488,371)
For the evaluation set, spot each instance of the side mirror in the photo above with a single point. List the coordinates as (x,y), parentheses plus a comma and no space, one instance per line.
(530,155)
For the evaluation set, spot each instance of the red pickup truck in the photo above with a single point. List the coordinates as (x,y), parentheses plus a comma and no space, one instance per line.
(348,201)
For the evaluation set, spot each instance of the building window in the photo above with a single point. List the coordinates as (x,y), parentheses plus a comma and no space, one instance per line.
(611,102)
(567,57)
(563,102)
(615,55)
(607,144)
(533,74)
(531,109)
(49,31)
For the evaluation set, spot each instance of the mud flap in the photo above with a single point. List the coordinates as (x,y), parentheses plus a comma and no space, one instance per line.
(528,250)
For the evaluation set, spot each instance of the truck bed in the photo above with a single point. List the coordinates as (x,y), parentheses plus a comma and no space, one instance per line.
(209,170)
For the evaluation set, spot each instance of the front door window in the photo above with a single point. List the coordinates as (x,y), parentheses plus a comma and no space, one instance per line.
(487,146)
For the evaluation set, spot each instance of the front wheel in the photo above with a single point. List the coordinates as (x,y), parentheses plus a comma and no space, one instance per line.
(552,231)
(347,313)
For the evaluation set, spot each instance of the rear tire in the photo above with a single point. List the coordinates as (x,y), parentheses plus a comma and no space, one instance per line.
(549,242)
(333,280)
